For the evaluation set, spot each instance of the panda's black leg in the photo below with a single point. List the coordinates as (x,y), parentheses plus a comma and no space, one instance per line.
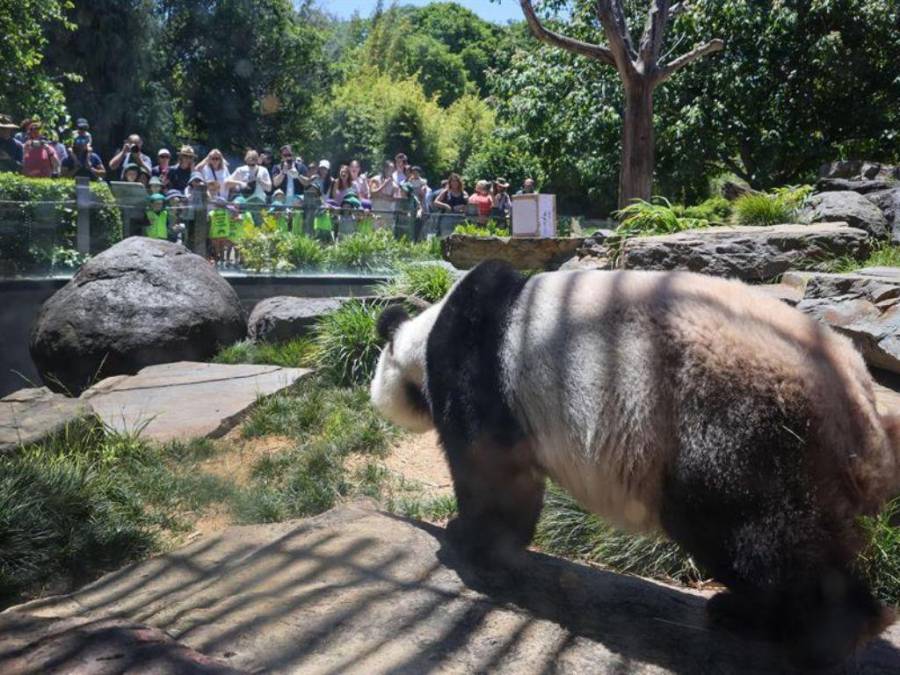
(499,494)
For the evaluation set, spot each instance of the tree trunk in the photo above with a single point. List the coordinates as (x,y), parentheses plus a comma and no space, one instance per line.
(638,150)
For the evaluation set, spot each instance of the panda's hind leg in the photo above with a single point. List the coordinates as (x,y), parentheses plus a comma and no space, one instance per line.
(499,494)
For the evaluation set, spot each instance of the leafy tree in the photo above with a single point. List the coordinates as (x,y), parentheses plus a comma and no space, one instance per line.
(28,87)
(244,71)
(113,51)
(642,68)
(802,83)
(470,123)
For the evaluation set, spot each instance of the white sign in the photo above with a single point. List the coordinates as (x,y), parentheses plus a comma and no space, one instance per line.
(534,215)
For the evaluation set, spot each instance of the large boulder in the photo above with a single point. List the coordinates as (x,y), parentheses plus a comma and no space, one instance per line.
(862,186)
(864,305)
(748,253)
(855,169)
(284,318)
(524,253)
(846,206)
(137,304)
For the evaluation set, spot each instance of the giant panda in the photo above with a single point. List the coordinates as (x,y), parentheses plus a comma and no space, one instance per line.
(665,402)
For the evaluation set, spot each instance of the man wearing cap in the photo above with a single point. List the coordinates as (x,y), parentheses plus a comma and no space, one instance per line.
(130,153)
(322,181)
(82,161)
(180,176)
(83,130)
(161,170)
(10,149)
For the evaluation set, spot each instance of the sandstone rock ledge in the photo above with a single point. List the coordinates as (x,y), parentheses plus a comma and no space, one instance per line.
(356,590)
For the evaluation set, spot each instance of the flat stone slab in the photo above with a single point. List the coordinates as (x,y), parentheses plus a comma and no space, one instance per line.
(358,591)
(81,646)
(754,254)
(30,415)
(186,400)
(524,253)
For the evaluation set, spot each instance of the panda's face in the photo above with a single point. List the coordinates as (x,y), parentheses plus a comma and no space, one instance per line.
(398,388)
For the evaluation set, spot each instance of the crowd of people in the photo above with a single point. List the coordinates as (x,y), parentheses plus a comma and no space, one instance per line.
(278,184)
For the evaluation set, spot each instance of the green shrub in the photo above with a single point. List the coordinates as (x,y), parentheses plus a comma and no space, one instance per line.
(773,208)
(347,343)
(428,282)
(568,530)
(489,229)
(364,252)
(45,219)
(650,218)
(880,560)
(714,210)
(304,252)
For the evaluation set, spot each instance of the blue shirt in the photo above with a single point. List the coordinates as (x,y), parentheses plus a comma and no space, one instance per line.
(81,169)
(11,150)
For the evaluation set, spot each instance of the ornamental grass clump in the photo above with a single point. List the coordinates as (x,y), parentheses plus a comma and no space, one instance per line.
(771,208)
(428,282)
(642,218)
(347,343)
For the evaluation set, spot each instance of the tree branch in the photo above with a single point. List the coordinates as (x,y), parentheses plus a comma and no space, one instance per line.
(696,53)
(654,33)
(612,18)
(678,8)
(550,37)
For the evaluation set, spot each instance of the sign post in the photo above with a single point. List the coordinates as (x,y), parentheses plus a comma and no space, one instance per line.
(534,215)
(83,207)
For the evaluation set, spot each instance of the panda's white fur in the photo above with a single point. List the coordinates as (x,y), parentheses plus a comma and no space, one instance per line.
(402,364)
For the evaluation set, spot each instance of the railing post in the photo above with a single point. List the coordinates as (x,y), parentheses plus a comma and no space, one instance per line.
(83,208)
(201,223)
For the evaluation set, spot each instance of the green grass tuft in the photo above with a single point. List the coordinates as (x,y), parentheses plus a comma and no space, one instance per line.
(428,282)
(642,219)
(775,208)
(885,255)
(347,343)
(880,560)
(568,530)
(297,353)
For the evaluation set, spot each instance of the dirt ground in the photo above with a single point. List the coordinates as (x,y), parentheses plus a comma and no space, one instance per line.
(419,458)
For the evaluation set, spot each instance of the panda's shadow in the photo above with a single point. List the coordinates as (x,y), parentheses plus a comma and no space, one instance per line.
(638,622)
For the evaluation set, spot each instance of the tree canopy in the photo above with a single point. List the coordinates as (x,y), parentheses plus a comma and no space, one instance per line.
(799,83)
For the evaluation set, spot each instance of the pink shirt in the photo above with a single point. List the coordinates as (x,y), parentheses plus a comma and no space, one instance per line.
(484,203)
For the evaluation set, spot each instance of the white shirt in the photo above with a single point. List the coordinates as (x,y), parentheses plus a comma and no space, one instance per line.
(218,175)
(243,174)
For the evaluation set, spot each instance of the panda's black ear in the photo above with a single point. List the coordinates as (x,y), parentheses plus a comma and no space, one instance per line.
(390,320)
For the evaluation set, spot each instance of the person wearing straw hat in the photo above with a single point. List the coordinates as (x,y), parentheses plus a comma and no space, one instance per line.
(11,152)
(502,201)
(180,176)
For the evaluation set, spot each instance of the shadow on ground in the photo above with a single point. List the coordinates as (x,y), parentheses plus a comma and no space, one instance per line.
(355,590)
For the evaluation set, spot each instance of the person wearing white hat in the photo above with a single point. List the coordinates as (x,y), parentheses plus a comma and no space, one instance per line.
(323,180)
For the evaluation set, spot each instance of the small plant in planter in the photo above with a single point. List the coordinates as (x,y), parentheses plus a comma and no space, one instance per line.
(489,229)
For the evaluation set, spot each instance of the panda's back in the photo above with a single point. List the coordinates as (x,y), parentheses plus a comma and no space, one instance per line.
(604,371)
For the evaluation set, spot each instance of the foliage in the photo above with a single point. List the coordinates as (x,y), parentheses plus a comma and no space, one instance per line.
(348,343)
(428,282)
(567,529)
(89,500)
(715,210)
(489,229)
(297,353)
(880,560)
(657,217)
(39,202)
(774,208)
(303,252)
(28,87)
(267,248)
(885,255)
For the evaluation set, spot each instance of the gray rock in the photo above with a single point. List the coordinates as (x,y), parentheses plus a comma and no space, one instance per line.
(31,415)
(849,207)
(864,306)
(284,318)
(748,253)
(889,203)
(78,646)
(524,253)
(859,170)
(732,189)
(181,401)
(864,186)
(139,303)
(355,590)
